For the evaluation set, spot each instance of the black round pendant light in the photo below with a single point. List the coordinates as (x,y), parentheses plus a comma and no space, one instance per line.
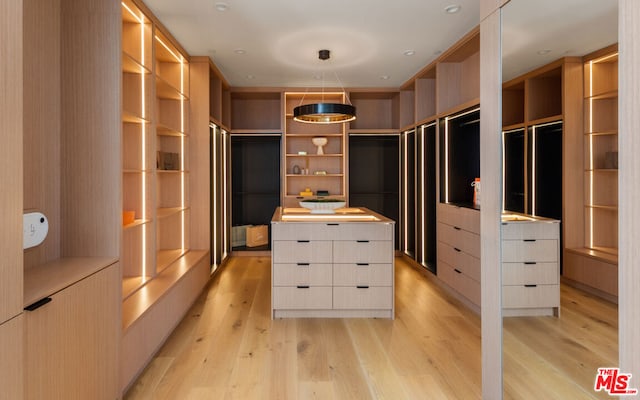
(324,113)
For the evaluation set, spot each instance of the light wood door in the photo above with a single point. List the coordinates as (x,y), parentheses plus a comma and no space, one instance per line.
(71,343)
(11,360)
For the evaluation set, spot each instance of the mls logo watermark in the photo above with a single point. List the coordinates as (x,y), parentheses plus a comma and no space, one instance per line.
(612,381)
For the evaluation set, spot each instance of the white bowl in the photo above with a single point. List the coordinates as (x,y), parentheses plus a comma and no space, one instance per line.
(323,207)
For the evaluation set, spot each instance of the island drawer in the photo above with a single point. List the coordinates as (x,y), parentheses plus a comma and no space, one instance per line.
(459,281)
(461,239)
(302,274)
(362,251)
(363,298)
(530,250)
(459,259)
(530,230)
(302,251)
(463,218)
(302,298)
(534,296)
(362,274)
(332,231)
(527,273)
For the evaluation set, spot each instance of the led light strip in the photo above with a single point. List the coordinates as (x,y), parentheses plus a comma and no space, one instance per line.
(406,191)
(591,154)
(422,198)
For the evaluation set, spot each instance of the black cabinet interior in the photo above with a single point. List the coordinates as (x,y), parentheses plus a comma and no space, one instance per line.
(428,196)
(546,145)
(514,170)
(460,160)
(374,175)
(409,192)
(255,179)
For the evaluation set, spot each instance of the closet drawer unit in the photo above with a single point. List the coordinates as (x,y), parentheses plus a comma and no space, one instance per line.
(530,273)
(362,251)
(464,218)
(363,298)
(302,274)
(300,231)
(360,231)
(301,251)
(532,296)
(460,282)
(459,238)
(302,298)
(530,230)
(363,274)
(457,258)
(530,250)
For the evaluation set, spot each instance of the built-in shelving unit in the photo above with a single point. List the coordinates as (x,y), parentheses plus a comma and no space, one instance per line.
(321,172)
(165,257)
(377,111)
(595,262)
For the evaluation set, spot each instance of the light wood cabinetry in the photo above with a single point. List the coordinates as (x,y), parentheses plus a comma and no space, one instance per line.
(332,268)
(325,171)
(592,255)
(70,341)
(530,267)
(12,360)
(459,250)
(377,111)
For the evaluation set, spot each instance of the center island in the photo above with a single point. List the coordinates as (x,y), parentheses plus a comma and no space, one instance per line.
(332,265)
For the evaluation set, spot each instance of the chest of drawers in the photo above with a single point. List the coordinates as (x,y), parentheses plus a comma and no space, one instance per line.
(329,268)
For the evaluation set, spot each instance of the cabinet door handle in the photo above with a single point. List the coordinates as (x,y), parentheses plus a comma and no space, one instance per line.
(457,249)
(362,287)
(530,285)
(303,264)
(38,304)
(303,287)
(530,263)
(362,264)
(362,241)
(303,241)
(528,240)
(333,224)
(457,228)
(457,270)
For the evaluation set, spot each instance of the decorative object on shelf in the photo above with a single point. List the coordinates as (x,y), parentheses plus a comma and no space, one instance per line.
(297,170)
(128,217)
(322,206)
(320,172)
(319,142)
(302,153)
(306,193)
(35,227)
(257,235)
(322,192)
(168,161)
(476,192)
(325,113)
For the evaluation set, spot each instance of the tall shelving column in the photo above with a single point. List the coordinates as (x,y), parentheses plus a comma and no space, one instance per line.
(297,138)
(137,153)
(172,110)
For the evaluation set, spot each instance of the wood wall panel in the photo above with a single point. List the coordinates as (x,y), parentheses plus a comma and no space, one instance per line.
(491,167)
(629,173)
(42,122)
(11,362)
(11,126)
(91,126)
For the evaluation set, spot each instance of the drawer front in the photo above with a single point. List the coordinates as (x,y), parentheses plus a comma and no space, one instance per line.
(302,274)
(363,274)
(530,274)
(457,258)
(332,231)
(371,298)
(530,230)
(366,251)
(460,282)
(528,251)
(301,252)
(464,218)
(294,298)
(540,296)
(459,238)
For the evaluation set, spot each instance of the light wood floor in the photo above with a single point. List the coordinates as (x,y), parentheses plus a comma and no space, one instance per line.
(227,347)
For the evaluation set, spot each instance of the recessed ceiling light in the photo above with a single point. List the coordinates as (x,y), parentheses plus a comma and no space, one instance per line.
(222,6)
(385,77)
(544,51)
(409,52)
(240,51)
(250,76)
(452,9)
(437,52)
